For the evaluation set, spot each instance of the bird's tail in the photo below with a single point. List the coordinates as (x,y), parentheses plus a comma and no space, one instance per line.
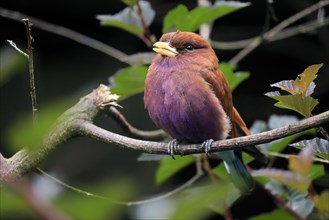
(239,174)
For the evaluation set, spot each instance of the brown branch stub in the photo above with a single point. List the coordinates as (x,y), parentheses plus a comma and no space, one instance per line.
(103,97)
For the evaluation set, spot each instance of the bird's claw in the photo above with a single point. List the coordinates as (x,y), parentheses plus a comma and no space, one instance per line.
(172,147)
(207,145)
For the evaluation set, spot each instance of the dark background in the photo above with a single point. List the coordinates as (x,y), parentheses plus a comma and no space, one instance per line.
(64,67)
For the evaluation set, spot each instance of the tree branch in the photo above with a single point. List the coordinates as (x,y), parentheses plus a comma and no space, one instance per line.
(91,130)
(134,132)
(289,32)
(275,30)
(78,121)
(65,32)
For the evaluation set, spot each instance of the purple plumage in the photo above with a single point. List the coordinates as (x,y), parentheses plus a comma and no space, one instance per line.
(181,101)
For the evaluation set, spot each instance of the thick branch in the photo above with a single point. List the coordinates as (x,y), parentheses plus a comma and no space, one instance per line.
(91,130)
(78,121)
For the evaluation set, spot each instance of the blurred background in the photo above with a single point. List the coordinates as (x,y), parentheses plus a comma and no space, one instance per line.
(67,69)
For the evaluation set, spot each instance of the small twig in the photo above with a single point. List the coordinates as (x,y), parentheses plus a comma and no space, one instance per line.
(33,94)
(134,132)
(146,31)
(274,31)
(207,168)
(324,133)
(289,32)
(228,213)
(198,174)
(12,43)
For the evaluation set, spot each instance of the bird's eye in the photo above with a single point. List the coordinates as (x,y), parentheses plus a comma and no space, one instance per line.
(189,47)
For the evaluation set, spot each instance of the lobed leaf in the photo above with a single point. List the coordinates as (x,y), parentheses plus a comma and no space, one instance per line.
(297,200)
(286,85)
(320,146)
(298,103)
(300,203)
(304,80)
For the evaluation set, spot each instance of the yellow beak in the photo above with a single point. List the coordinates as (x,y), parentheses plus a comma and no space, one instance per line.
(164,49)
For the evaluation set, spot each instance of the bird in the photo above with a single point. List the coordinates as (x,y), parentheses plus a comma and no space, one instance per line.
(187,95)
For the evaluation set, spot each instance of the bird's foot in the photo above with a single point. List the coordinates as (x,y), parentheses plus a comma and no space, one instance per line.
(172,147)
(207,145)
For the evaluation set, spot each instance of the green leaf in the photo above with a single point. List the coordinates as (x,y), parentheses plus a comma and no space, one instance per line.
(128,19)
(317,170)
(128,81)
(221,172)
(13,203)
(168,167)
(22,132)
(181,19)
(304,80)
(173,16)
(320,146)
(200,200)
(298,103)
(129,2)
(234,79)
(276,214)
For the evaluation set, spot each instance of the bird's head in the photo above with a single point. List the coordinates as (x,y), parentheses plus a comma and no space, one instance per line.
(175,44)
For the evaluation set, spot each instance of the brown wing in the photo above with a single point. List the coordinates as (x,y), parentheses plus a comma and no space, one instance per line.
(239,121)
(215,77)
